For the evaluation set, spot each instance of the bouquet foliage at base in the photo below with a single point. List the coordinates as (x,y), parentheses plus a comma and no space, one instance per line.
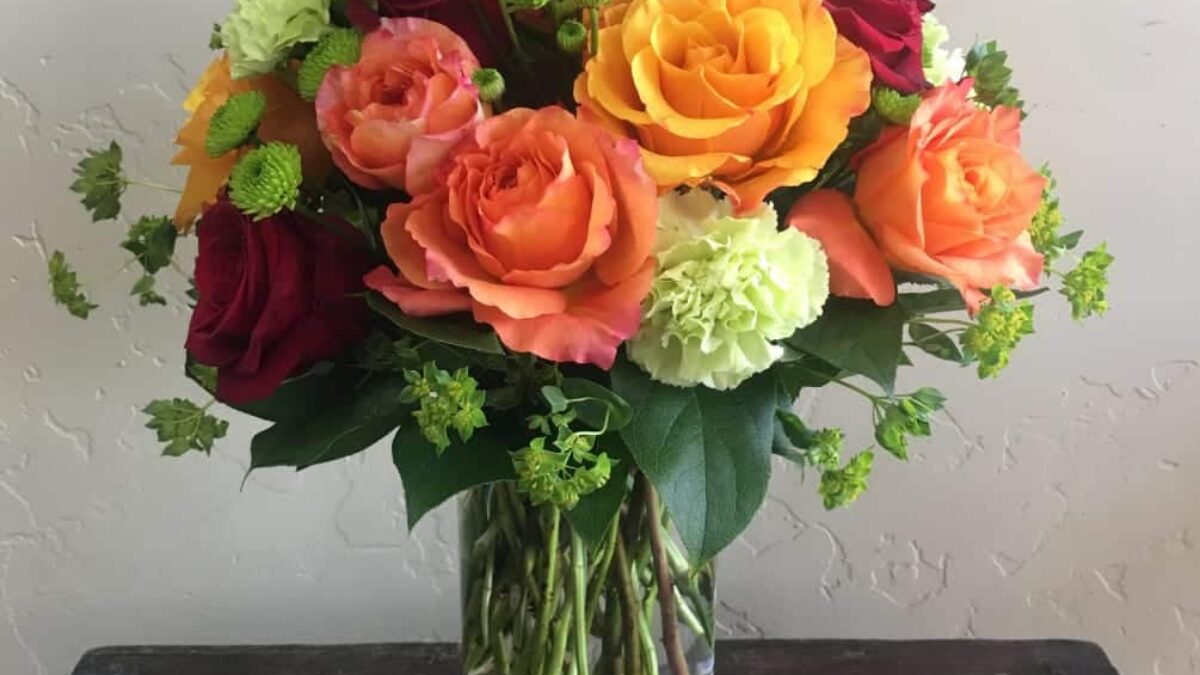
(577,259)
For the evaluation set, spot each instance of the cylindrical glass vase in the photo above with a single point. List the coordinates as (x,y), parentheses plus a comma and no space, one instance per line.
(539,600)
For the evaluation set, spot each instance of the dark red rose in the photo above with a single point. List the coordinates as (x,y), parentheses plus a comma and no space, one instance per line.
(890,32)
(274,297)
(458,15)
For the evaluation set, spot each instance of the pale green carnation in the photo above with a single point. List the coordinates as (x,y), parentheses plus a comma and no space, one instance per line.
(941,64)
(728,287)
(259,33)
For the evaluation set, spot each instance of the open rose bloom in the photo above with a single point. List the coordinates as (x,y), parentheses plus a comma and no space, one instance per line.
(576,260)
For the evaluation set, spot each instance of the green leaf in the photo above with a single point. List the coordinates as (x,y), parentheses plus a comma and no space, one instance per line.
(933,302)
(935,343)
(101,182)
(205,376)
(339,429)
(65,287)
(988,64)
(604,402)
(555,397)
(1070,241)
(431,478)
(144,289)
(184,426)
(805,372)
(859,337)
(321,386)
(152,241)
(465,334)
(707,452)
(594,513)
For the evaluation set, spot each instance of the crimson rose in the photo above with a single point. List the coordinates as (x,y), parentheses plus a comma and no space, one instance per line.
(458,15)
(274,297)
(890,32)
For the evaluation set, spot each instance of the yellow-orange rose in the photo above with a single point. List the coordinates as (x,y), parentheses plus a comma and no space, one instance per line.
(749,95)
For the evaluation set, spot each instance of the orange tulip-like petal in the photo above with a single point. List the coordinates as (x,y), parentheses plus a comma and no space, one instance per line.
(857,268)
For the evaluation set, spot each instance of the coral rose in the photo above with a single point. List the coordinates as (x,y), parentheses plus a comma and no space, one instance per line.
(544,229)
(748,95)
(857,269)
(951,196)
(288,119)
(393,117)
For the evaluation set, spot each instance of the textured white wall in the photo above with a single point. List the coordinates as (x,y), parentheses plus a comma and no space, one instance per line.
(1059,501)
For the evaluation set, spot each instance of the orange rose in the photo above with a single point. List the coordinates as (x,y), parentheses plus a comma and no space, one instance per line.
(393,117)
(750,95)
(951,196)
(288,119)
(856,267)
(543,229)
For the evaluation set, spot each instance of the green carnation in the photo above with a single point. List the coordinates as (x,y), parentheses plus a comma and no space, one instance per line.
(267,180)
(234,122)
(259,33)
(340,47)
(727,288)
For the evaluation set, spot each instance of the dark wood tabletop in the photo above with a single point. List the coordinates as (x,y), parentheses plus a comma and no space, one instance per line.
(805,657)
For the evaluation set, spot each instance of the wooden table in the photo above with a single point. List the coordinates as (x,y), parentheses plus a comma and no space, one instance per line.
(815,657)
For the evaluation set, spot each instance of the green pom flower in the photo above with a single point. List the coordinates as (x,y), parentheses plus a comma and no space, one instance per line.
(234,122)
(893,106)
(727,288)
(490,84)
(259,33)
(1086,286)
(340,47)
(571,36)
(267,180)
(1001,325)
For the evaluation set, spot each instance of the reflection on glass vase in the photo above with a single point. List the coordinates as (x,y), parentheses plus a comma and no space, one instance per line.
(538,599)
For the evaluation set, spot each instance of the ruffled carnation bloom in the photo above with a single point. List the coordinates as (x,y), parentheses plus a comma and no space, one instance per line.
(748,96)
(288,119)
(950,195)
(890,32)
(275,296)
(258,34)
(543,229)
(941,64)
(727,288)
(393,117)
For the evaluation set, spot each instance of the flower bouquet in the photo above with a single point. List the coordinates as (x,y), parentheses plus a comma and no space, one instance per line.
(577,259)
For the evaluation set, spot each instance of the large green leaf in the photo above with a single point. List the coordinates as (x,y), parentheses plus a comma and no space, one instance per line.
(945,300)
(707,452)
(451,331)
(604,404)
(298,397)
(431,478)
(594,513)
(857,336)
(344,427)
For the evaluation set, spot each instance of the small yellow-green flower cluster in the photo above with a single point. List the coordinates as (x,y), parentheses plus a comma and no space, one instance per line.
(727,288)
(1086,286)
(1001,325)
(570,469)
(446,402)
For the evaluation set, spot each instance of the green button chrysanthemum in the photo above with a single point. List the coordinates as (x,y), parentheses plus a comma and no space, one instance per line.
(234,122)
(267,180)
(340,47)
(259,33)
(727,288)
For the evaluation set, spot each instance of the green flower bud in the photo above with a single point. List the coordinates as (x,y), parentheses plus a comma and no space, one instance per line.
(894,107)
(572,36)
(490,83)
(339,47)
(234,122)
(267,180)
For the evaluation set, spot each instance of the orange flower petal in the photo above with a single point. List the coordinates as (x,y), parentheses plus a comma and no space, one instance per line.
(857,268)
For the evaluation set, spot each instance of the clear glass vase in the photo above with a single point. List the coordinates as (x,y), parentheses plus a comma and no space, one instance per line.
(538,600)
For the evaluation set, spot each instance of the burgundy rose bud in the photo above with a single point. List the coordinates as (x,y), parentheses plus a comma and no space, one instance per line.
(275,296)
(890,32)
(458,15)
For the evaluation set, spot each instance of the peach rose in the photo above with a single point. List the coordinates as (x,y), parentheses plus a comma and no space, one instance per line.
(951,196)
(748,95)
(856,267)
(543,229)
(390,119)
